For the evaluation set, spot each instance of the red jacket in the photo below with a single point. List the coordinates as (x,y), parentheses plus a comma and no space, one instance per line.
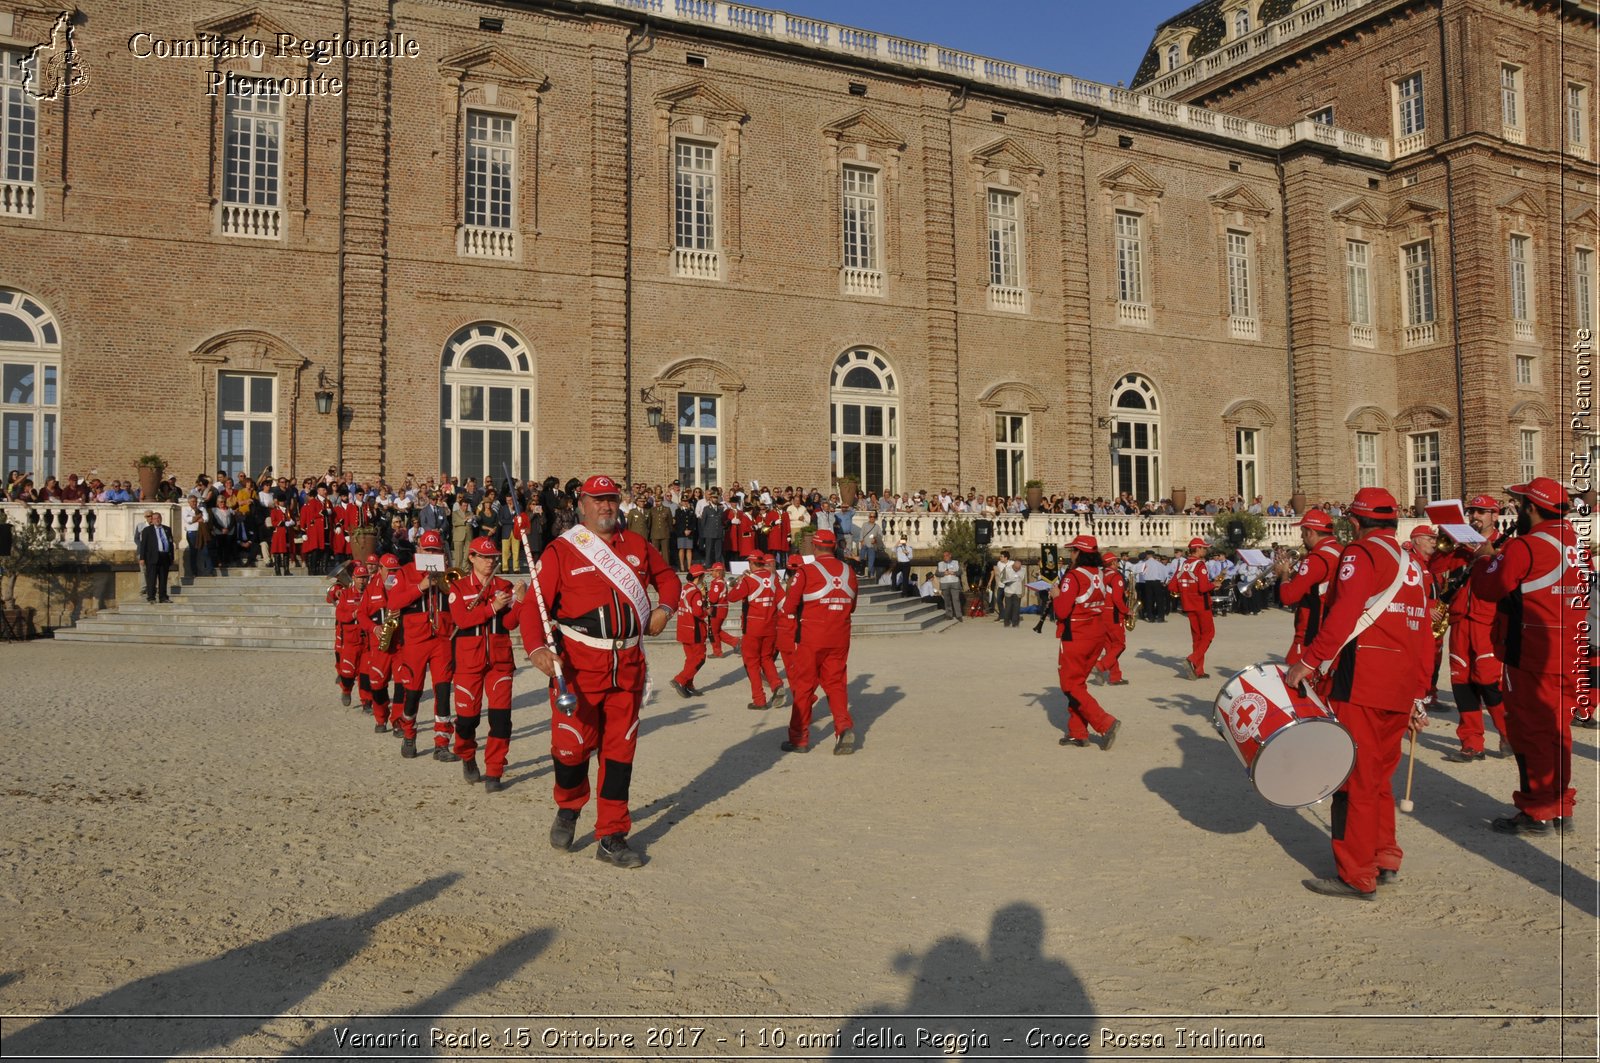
(282,524)
(1307,590)
(692,615)
(716,598)
(1540,582)
(312,516)
(822,597)
(1116,607)
(1390,664)
(1080,604)
(761,595)
(741,531)
(423,609)
(472,609)
(777,529)
(1193,585)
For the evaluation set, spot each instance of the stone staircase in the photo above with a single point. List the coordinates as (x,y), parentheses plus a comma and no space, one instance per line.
(250,608)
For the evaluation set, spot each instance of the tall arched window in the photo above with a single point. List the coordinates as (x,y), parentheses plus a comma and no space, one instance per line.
(486,404)
(1136,438)
(30,389)
(865,420)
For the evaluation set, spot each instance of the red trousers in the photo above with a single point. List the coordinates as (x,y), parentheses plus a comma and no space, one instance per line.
(1472,658)
(1111,656)
(606,721)
(1202,629)
(415,657)
(718,639)
(347,647)
(1077,656)
(479,675)
(810,666)
(1363,808)
(694,655)
(759,652)
(1471,700)
(379,667)
(1539,727)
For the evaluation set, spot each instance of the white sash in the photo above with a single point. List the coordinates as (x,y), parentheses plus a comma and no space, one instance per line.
(1378,604)
(611,567)
(1551,578)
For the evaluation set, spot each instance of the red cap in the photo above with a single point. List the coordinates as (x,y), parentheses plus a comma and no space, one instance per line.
(1424,529)
(1086,543)
(823,537)
(1542,492)
(758,558)
(1483,502)
(1201,543)
(484,546)
(600,487)
(696,571)
(389,561)
(360,569)
(1109,555)
(717,567)
(1374,503)
(430,540)
(1316,520)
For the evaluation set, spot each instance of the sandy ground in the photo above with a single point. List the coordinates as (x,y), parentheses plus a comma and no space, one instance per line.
(207,833)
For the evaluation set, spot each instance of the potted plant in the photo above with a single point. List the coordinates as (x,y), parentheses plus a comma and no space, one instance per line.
(1034,489)
(151,469)
(849,490)
(1180,499)
(35,551)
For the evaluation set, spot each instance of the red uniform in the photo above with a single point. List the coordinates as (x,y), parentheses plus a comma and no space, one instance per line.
(822,598)
(347,518)
(316,527)
(691,633)
(1116,613)
(282,525)
(759,645)
(1539,582)
(717,615)
(379,662)
(598,638)
(1475,671)
(349,638)
(776,524)
(1378,677)
(423,647)
(1307,593)
(1080,607)
(1193,585)
(741,532)
(483,668)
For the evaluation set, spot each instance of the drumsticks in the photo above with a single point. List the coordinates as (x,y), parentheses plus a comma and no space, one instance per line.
(1411,764)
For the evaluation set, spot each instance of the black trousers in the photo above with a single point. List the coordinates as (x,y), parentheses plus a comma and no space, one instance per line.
(155,579)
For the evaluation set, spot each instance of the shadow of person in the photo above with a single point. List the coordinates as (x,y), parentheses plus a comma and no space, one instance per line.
(866,705)
(1210,790)
(264,978)
(1147,654)
(969,1000)
(500,966)
(1053,703)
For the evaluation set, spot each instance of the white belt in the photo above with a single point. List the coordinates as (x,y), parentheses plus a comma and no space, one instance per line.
(600,644)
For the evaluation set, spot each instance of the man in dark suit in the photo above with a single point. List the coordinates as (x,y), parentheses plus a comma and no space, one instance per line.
(153,546)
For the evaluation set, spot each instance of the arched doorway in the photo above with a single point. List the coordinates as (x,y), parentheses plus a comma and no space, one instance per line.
(30,386)
(486,404)
(864,430)
(1136,438)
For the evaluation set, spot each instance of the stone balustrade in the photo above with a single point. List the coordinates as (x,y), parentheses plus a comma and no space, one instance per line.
(103,528)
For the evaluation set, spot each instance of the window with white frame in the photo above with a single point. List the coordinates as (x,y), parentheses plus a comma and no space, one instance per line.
(1005,250)
(1358,281)
(1521,295)
(864,416)
(863,275)
(1578,119)
(695,209)
(1425,465)
(1136,439)
(1418,263)
(1583,289)
(1174,57)
(30,397)
(1010,453)
(1130,258)
(1524,369)
(1239,302)
(19,131)
(1410,117)
(1323,116)
(1241,23)
(699,439)
(491,152)
(1527,454)
(1246,463)
(1366,459)
(247,422)
(252,159)
(1510,95)
(486,404)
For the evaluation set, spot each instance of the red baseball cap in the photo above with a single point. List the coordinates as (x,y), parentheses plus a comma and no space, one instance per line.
(1483,502)
(1109,555)
(430,540)
(1542,492)
(1374,502)
(1201,543)
(360,569)
(389,561)
(758,558)
(1086,543)
(823,537)
(484,546)
(1424,529)
(696,571)
(717,567)
(1316,520)
(600,487)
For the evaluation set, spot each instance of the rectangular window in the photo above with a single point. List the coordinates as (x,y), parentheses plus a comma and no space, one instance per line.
(19,124)
(1419,283)
(1525,369)
(1005,266)
(1527,454)
(699,440)
(1323,117)
(1425,466)
(1366,459)
(1130,258)
(1408,93)
(696,197)
(1246,470)
(1239,304)
(1521,303)
(491,168)
(1358,281)
(1583,288)
(860,219)
(1010,453)
(1510,95)
(252,152)
(1577,119)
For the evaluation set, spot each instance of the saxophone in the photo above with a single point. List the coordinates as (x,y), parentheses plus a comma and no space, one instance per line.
(389,629)
(1130,597)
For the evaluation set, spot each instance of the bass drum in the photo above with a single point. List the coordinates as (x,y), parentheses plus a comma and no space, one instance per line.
(1294,750)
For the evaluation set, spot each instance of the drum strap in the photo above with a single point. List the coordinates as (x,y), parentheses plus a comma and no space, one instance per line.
(1379,605)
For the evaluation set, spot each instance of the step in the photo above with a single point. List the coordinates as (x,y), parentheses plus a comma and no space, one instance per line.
(267,628)
(191,639)
(220,612)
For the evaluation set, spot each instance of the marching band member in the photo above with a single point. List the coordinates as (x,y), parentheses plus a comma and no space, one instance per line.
(484,609)
(821,597)
(349,638)
(1192,584)
(691,631)
(1539,580)
(1377,638)
(1109,667)
(1307,592)
(380,661)
(717,609)
(423,647)
(591,585)
(760,591)
(1475,669)
(1079,602)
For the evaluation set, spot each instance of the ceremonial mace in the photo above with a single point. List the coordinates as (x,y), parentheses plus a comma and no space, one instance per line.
(1411,764)
(566,700)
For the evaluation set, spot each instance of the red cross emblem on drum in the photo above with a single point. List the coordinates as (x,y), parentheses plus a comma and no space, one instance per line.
(1296,753)
(1245,715)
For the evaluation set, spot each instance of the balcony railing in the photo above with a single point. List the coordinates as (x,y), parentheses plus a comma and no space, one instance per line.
(1133,314)
(1244,328)
(862,281)
(19,200)
(1298,23)
(1524,329)
(1419,335)
(480,241)
(1004,298)
(1514,133)
(1363,336)
(699,265)
(1413,143)
(255,223)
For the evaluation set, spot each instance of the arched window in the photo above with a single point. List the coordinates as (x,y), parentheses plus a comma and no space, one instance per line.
(865,420)
(486,404)
(1174,57)
(30,388)
(1136,438)
(1241,23)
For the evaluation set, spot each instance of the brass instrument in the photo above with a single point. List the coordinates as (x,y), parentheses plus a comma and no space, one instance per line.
(1130,595)
(443,581)
(388,630)
(1441,619)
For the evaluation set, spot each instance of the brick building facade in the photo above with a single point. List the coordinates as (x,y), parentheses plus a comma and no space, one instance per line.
(518,233)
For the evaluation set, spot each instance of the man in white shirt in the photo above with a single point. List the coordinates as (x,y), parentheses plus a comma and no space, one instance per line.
(1008,582)
(950,585)
(902,569)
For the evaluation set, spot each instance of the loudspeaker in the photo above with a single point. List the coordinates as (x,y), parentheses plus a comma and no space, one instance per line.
(1236,533)
(982,531)
(5,539)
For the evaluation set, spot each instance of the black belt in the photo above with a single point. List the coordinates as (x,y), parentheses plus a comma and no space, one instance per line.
(493,627)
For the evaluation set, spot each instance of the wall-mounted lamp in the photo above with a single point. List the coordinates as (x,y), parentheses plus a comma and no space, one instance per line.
(653,407)
(324,394)
(1103,422)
